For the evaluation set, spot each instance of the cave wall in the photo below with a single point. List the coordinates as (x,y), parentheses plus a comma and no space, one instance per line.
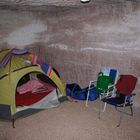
(78,41)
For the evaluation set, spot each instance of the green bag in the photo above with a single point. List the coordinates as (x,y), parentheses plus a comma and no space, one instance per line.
(103,82)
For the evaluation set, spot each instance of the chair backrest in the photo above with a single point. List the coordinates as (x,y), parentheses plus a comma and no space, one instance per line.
(103,82)
(126,84)
(114,75)
(112,72)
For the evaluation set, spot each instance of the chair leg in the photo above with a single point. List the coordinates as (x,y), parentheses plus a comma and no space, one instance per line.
(122,112)
(131,110)
(100,107)
(120,120)
(88,94)
(87,99)
(104,107)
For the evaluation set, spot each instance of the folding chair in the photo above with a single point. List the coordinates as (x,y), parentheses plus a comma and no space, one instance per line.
(125,86)
(105,83)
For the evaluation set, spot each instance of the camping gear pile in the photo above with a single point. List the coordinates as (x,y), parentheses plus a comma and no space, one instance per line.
(75,91)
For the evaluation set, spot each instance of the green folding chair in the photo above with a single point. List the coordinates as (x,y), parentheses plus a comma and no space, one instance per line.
(102,86)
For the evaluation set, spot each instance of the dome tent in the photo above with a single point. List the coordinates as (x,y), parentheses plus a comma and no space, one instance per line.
(17,69)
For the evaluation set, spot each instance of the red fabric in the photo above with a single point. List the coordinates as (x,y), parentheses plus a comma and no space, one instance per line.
(126,84)
(31,97)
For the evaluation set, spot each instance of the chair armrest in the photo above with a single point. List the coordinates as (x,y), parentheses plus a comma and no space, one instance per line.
(93,82)
(111,87)
(130,98)
(108,93)
(133,94)
(105,96)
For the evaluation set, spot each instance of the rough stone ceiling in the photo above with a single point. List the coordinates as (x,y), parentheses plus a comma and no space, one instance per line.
(54,2)
(42,4)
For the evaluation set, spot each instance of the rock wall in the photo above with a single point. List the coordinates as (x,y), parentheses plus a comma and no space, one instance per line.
(78,41)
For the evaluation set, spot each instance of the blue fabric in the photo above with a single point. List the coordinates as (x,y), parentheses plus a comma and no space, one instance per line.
(76,92)
(113,74)
(93,94)
(115,101)
(45,67)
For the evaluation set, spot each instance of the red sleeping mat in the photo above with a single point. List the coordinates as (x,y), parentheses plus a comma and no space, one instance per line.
(30,97)
(32,92)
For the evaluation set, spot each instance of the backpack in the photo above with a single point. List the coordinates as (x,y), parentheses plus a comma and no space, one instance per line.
(75,91)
